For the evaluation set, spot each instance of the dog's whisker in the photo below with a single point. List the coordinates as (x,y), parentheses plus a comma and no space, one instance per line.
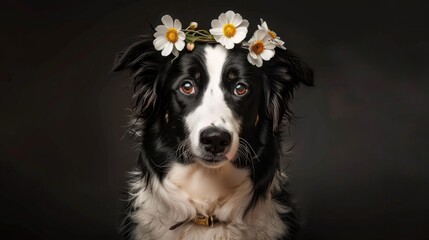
(183,149)
(246,150)
(250,147)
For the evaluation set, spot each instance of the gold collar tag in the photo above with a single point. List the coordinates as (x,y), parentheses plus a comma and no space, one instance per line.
(205,220)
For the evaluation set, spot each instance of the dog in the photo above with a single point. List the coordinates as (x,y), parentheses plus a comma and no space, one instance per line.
(209,128)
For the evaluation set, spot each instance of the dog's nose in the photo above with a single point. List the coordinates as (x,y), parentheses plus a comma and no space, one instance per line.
(215,140)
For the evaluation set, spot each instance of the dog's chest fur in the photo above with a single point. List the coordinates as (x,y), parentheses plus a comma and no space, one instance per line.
(188,190)
(208,190)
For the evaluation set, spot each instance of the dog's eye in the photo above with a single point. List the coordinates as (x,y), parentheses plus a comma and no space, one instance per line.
(240,89)
(187,88)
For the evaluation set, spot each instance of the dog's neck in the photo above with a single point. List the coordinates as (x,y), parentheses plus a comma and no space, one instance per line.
(170,207)
(207,189)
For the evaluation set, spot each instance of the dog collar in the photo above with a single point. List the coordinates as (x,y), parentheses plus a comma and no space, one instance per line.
(200,219)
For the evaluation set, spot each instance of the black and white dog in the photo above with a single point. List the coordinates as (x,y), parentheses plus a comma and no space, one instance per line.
(210,146)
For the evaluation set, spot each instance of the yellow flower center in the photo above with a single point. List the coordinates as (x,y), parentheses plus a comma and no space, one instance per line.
(272,34)
(229,30)
(257,47)
(172,35)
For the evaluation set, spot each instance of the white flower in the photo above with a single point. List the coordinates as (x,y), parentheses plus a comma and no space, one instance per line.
(168,37)
(260,48)
(274,38)
(229,29)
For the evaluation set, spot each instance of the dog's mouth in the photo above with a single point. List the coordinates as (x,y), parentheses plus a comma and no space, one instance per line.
(212,160)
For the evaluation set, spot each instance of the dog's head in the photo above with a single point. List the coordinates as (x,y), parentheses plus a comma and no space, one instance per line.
(210,100)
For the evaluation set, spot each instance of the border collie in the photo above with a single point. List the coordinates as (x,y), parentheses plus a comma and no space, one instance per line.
(209,124)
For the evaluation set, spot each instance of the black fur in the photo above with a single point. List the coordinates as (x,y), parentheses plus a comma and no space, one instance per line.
(155,79)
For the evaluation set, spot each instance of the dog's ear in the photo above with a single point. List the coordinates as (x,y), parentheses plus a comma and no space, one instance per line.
(144,65)
(284,73)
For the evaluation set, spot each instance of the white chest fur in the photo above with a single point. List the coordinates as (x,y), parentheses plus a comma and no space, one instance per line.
(190,189)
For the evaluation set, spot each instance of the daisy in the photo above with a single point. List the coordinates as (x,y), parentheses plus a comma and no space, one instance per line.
(229,29)
(168,37)
(274,38)
(260,48)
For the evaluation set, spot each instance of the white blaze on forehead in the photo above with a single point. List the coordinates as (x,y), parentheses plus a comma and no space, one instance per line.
(213,110)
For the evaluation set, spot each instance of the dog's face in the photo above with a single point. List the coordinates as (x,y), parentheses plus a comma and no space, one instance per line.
(210,101)
(215,97)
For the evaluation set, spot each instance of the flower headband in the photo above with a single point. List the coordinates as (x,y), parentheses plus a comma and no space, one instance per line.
(229,29)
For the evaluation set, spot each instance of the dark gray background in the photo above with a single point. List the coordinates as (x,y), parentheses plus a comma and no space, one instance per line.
(359,169)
